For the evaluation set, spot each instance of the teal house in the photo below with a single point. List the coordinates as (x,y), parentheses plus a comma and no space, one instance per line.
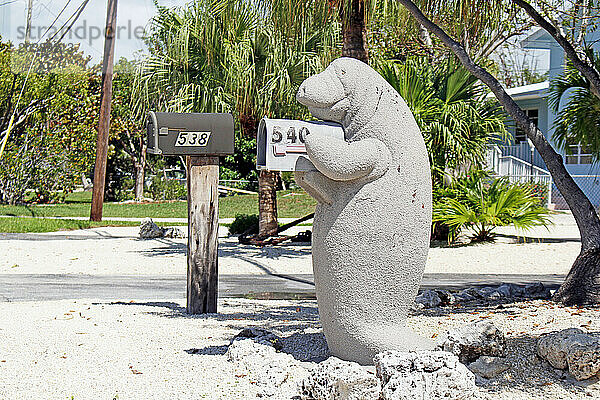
(517,159)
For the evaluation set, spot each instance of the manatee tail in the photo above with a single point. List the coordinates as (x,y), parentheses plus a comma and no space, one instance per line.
(362,346)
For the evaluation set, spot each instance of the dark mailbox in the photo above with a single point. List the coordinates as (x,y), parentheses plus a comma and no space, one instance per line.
(175,134)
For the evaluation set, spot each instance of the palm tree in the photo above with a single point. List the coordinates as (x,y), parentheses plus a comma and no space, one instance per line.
(183,72)
(578,123)
(247,58)
(450,108)
(294,40)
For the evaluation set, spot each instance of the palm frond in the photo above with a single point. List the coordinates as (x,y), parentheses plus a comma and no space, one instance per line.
(449,107)
(488,203)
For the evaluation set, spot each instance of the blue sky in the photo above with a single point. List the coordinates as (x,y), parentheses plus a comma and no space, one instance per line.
(131,15)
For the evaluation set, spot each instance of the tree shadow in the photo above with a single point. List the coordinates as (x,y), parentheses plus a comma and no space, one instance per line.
(501,306)
(297,326)
(445,245)
(209,350)
(169,248)
(91,234)
(30,209)
(528,239)
(174,307)
(230,248)
(305,311)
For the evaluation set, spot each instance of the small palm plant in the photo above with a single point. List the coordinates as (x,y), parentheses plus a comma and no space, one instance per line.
(487,203)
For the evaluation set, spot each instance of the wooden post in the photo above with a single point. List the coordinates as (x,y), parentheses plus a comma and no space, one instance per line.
(203,228)
(104,121)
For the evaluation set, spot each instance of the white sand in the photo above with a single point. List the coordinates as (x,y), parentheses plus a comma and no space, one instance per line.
(59,349)
(119,251)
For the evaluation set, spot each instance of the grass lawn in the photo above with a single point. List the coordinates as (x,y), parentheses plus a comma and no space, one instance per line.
(289,205)
(30,225)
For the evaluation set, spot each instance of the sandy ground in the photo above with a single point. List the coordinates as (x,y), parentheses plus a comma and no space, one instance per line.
(119,251)
(85,350)
(138,350)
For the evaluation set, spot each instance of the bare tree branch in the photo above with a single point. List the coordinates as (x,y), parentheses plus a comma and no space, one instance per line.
(498,41)
(129,146)
(8,108)
(584,22)
(586,68)
(34,106)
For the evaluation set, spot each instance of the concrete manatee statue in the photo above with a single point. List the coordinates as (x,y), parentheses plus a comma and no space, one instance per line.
(373,215)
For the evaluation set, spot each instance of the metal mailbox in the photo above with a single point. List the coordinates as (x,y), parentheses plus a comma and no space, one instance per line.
(189,134)
(280,142)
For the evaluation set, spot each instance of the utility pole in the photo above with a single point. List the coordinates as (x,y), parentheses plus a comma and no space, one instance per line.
(28,21)
(104,122)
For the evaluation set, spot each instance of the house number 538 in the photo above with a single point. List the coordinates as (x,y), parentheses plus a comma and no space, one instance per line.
(192,139)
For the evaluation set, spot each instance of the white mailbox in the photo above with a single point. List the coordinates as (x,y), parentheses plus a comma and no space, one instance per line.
(280,142)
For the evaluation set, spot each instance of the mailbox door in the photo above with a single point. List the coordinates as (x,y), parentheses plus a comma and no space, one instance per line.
(152,134)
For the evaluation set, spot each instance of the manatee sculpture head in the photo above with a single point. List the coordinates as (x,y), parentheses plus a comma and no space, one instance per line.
(347,91)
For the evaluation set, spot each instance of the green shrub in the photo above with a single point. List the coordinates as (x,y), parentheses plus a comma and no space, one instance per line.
(289,180)
(43,196)
(120,189)
(489,203)
(242,223)
(439,229)
(167,189)
(32,167)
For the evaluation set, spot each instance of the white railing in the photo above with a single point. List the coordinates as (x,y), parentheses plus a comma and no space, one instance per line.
(493,156)
(513,166)
(517,170)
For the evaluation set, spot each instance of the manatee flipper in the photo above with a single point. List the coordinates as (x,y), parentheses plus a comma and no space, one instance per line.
(317,185)
(344,161)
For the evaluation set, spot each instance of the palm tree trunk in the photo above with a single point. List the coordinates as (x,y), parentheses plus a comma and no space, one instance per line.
(582,285)
(267,187)
(139,182)
(267,204)
(354,30)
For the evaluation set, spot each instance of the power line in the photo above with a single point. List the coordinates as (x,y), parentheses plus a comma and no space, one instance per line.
(33,60)
(8,2)
(76,15)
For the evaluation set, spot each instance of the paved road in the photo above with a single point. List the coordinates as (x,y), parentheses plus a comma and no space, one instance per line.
(41,287)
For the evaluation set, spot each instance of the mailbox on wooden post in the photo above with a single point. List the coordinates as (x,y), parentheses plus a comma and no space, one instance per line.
(202,138)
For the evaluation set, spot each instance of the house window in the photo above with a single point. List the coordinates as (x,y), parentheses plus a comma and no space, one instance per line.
(520,135)
(577,154)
